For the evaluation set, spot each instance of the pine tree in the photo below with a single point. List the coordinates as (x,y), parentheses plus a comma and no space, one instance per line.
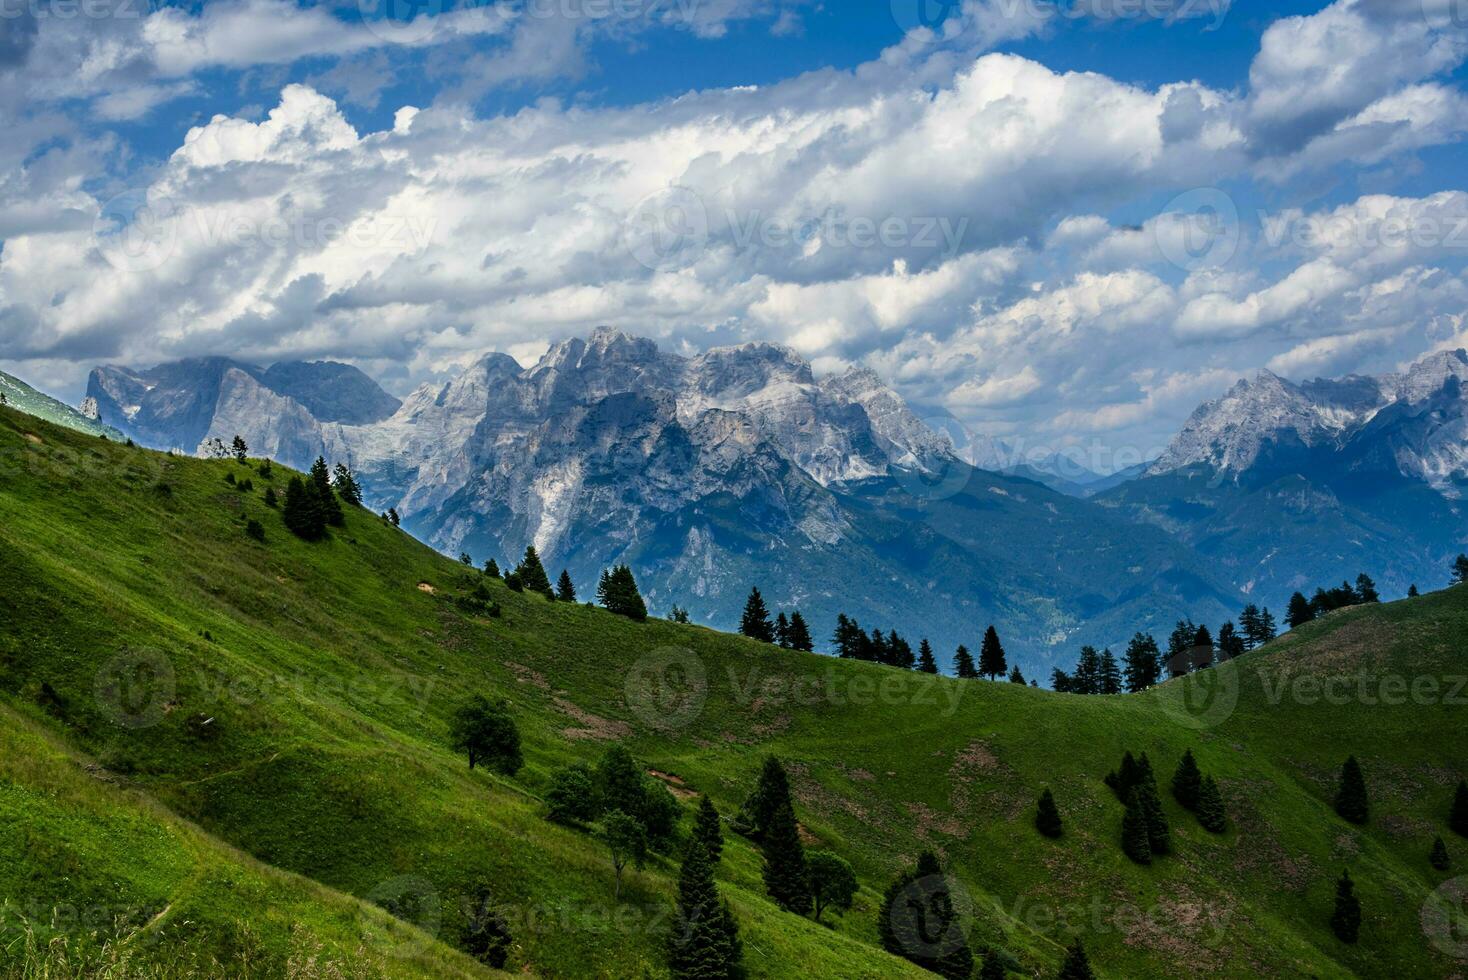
(993,968)
(1087,678)
(532,574)
(926,663)
(1366,589)
(1346,922)
(1412,592)
(845,639)
(786,879)
(1076,965)
(346,485)
(1230,643)
(1047,816)
(1249,627)
(1159,834)
(1458,815)
(1211,813)
(617,592)
(1267,629)
(319,483)
(782,631)
(302,512)
(1439,858)
(565,588)
(1351,800)
(1141,668)
(1135,841)
(992,663)
(800,638)
(963,664)
(704,941)
(770,793)
(917,921)
(708,830)
(1015,677)
(491,568)
(392,515)
(755,623)
(1108,675)
(1187,781)
(241,451)
(1300,611)
(1202,652)
(1460,570)
(271,500)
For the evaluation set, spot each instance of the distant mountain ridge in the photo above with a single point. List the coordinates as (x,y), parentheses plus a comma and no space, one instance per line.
(710,474)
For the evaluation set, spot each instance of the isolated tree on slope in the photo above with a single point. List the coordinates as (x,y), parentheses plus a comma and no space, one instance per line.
(800,638)
(1187,781)
(1047,816)
(484,731)
(1076,965)
(532,574)
(1015,677)
(1351,800)
(1439,857)
(565,588)
(833,884)
(704,940)
(926,663)
(1346,921)
(755,623)
(241,451)
(786,878)
(963,664)
(992,663)
(707,829)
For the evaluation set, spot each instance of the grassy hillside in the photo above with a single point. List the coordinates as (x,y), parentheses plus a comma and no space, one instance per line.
(296,711)
(20,395)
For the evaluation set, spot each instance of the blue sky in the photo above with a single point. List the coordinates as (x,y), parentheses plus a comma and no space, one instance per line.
(1065,225)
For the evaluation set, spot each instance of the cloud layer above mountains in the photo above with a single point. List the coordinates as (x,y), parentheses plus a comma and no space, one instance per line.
(1058,256)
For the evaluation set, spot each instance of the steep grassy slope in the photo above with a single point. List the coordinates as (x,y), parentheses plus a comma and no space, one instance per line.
(299,695)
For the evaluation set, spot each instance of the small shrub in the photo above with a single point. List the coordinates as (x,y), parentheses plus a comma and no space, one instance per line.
(256,530)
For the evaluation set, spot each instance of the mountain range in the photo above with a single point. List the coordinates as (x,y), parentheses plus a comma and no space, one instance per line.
(739,467)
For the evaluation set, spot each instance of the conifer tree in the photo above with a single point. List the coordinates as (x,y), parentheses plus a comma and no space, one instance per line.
(1300,611)
(992,663)
(617,592)
(993,967)
(848,637)
(800,638)
(785,874)
(241,451)
(1346,921)
(1187,781)
(1460,570)
(1366,589)
(302,512)
(1351,800)
(1202,652)
(1159,834)
(1230,643)
(1211,814)
(271,500)
(319,483)
(926,663)
(1087,678)
(899,652)
(755,623)
(346,485)
(565,588)
(770,793)
(1108,675)
(1439,857)
(1412,592)
(707,829)
(1249,627)
(491,568)
(1267,629)
(1135,841)
(392,515)
(1458,815)
(704,941)
(532,574)
(1141,663)
(1047,816)
(1061,682)
(1076,965)
(1015,677)
(782,631)
(918,922)
(963,664)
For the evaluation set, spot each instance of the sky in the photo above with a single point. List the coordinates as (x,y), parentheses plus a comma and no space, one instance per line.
(1065,224)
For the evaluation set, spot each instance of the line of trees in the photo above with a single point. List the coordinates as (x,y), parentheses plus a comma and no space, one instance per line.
(788,631)
(1302,610)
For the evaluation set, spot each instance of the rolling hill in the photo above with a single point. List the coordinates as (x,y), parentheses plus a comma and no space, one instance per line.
(225,752)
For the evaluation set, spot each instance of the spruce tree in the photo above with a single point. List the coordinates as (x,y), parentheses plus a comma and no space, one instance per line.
(800,638)
(770,793)
(992,663)
(782,631)
(1108,675)
(755,623)
(1087,678)
(1412,592)
(1211,813)
(1159,834)
(704,941)
(918,922)
(926,663)
(346,485)
(786,878)
(319,483)
(993,968)
(1439,857)
(1458,814)
(241,451)
(707,829)
(1249,626)
(845,639)
(1134,838)
(1076,965)
(1230,643)
(302,512)
(1300,611)
(617,592)
(1267,629)
(1015,677)
(963,664)
(1141,663)
(1047,816)
(1351,800)
(491,568)
(1366,589)
(1346,921)
(532,574)
(1187,781)
(1460,570)
(565,588)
